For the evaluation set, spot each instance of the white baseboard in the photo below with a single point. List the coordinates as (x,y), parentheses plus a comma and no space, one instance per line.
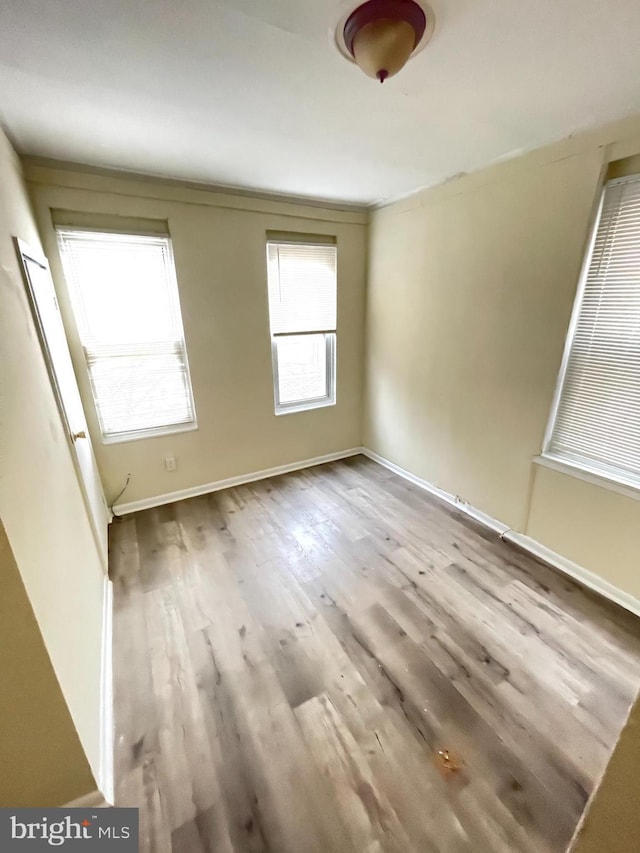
(447,497)
(106,771)
(207,488)
(537,549)
(93,800)
(575,571)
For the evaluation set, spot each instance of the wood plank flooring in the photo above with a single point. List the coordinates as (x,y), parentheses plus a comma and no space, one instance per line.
(331,661)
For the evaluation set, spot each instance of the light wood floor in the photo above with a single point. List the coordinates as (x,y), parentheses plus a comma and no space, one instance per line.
(291,656)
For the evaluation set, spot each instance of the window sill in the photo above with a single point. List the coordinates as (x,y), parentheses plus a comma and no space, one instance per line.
(294,408)
(152,433)
(629,488)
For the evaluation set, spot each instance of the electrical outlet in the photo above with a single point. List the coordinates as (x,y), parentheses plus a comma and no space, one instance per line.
(170,463)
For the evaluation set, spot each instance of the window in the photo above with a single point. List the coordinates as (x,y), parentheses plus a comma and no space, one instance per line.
(125,299)
(595,424)
(302,310)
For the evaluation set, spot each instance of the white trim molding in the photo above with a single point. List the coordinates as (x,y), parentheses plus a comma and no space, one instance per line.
(598,478)
(526,543)
(105,779)
(241,480)
(447,497)
(578,573)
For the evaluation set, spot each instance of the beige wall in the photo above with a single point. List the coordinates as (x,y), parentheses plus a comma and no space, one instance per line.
(41,504)
(219,248)
(42,760)
(471,287)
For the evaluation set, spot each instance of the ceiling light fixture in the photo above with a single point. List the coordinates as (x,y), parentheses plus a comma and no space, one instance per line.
(380,36)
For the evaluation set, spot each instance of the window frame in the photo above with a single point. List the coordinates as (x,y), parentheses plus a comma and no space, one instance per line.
(609,476)
(133,434)
(327,399)
(330,336)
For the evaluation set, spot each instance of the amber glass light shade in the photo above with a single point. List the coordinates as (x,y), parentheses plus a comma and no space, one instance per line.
(383,47)
(381,35)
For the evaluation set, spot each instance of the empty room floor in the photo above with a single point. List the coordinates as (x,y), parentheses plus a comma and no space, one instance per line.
(332,660)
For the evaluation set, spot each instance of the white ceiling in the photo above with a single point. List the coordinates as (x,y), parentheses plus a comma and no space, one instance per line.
(253,93)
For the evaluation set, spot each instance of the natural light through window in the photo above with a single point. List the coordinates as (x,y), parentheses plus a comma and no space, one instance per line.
(302,280)
(595,423)
(125,298)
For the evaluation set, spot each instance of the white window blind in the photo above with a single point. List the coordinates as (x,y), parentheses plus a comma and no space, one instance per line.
(125,299)
(302,283)
(597,422)
(302,287)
